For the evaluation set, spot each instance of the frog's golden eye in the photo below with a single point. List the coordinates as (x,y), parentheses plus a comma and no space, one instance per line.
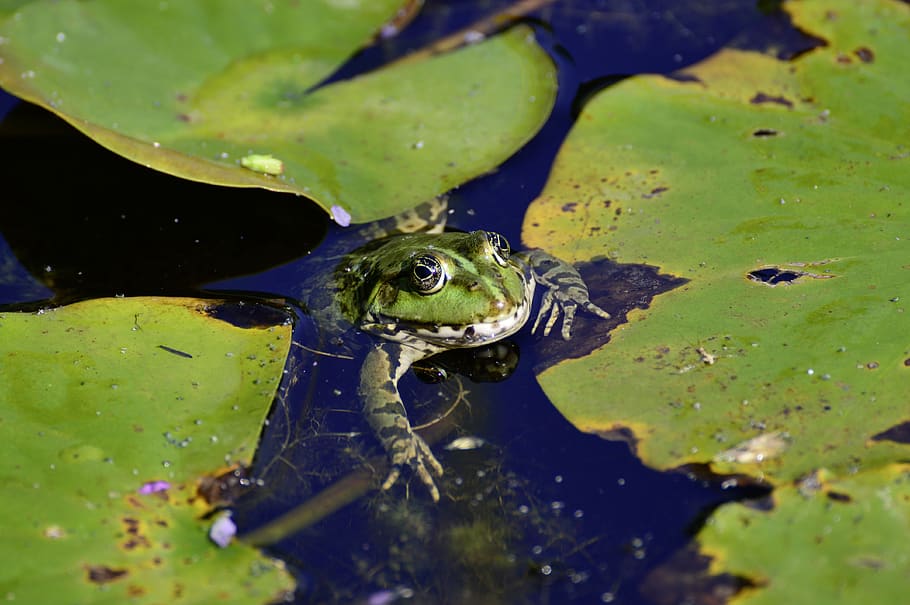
(500,246)
(427,274)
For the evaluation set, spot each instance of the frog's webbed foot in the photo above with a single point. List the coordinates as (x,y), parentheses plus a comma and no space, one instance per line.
(413,453)
(566,291)
(556,300)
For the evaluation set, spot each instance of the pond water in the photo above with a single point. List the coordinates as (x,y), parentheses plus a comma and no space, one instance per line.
(535,511)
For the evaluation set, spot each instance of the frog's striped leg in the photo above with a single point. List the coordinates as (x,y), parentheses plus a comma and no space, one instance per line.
(566,290)
(382,369)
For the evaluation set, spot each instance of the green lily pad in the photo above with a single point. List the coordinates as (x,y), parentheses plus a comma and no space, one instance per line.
(842,543)
(779,190)
(109,412)
(193,87)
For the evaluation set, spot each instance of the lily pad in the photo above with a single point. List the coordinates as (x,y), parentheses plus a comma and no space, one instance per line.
(842,542)
(109,412)
(779,191)
(193,87)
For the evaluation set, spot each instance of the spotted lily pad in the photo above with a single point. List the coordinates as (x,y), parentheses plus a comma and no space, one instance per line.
(742,168)
(110,410)
(835,541)
(194,87)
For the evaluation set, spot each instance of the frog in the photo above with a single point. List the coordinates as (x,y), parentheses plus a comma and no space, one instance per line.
(415,290)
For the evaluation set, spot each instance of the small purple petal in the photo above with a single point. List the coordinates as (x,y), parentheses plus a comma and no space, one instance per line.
(341,216)
(154,486)
(223,530)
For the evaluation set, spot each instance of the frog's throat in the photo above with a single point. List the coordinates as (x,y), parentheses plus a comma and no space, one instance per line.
(449,337)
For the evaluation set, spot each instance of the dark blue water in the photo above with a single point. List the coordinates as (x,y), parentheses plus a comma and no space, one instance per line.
(540,513)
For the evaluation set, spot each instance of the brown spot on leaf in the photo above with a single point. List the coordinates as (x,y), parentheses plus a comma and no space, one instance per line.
(135,538)
(843,59)
(761,98)
(569,207)
(765,132)
(907,362)
(654,192)
(865,54)
(223,489)
(102,574)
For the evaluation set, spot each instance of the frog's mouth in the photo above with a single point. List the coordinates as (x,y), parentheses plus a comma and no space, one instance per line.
(446,336)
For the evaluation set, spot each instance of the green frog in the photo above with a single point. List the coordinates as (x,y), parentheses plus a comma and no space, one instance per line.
(417,291)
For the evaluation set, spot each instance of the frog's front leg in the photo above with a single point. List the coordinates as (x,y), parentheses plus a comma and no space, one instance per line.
(566,290)
(382,369)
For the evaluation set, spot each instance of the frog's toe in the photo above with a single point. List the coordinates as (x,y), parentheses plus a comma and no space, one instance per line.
(592,308)
(417,457)
(567,321)
(392,477)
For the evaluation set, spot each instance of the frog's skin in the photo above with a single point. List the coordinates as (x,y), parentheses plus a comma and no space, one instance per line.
(422,293)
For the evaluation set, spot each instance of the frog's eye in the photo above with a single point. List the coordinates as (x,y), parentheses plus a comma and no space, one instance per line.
(427,274)
(500,247)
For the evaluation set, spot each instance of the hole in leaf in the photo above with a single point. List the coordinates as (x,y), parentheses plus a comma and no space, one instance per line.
(774,276)
(899,433)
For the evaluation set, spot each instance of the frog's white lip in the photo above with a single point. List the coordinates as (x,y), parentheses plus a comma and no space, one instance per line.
(445,337)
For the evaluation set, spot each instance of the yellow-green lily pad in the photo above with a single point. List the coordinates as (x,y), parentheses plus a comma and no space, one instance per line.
(193,87)
(843,541)
(779,190)
(110,410)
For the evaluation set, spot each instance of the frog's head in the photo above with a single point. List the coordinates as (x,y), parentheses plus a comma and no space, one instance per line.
(447,290)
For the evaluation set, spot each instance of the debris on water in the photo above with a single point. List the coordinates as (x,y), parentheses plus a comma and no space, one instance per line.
(465,443)
(385,597)
(757,449)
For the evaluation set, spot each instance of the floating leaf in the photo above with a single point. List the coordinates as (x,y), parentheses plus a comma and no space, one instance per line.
(109,411)
(842,542)
(747,166)
(192,87)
